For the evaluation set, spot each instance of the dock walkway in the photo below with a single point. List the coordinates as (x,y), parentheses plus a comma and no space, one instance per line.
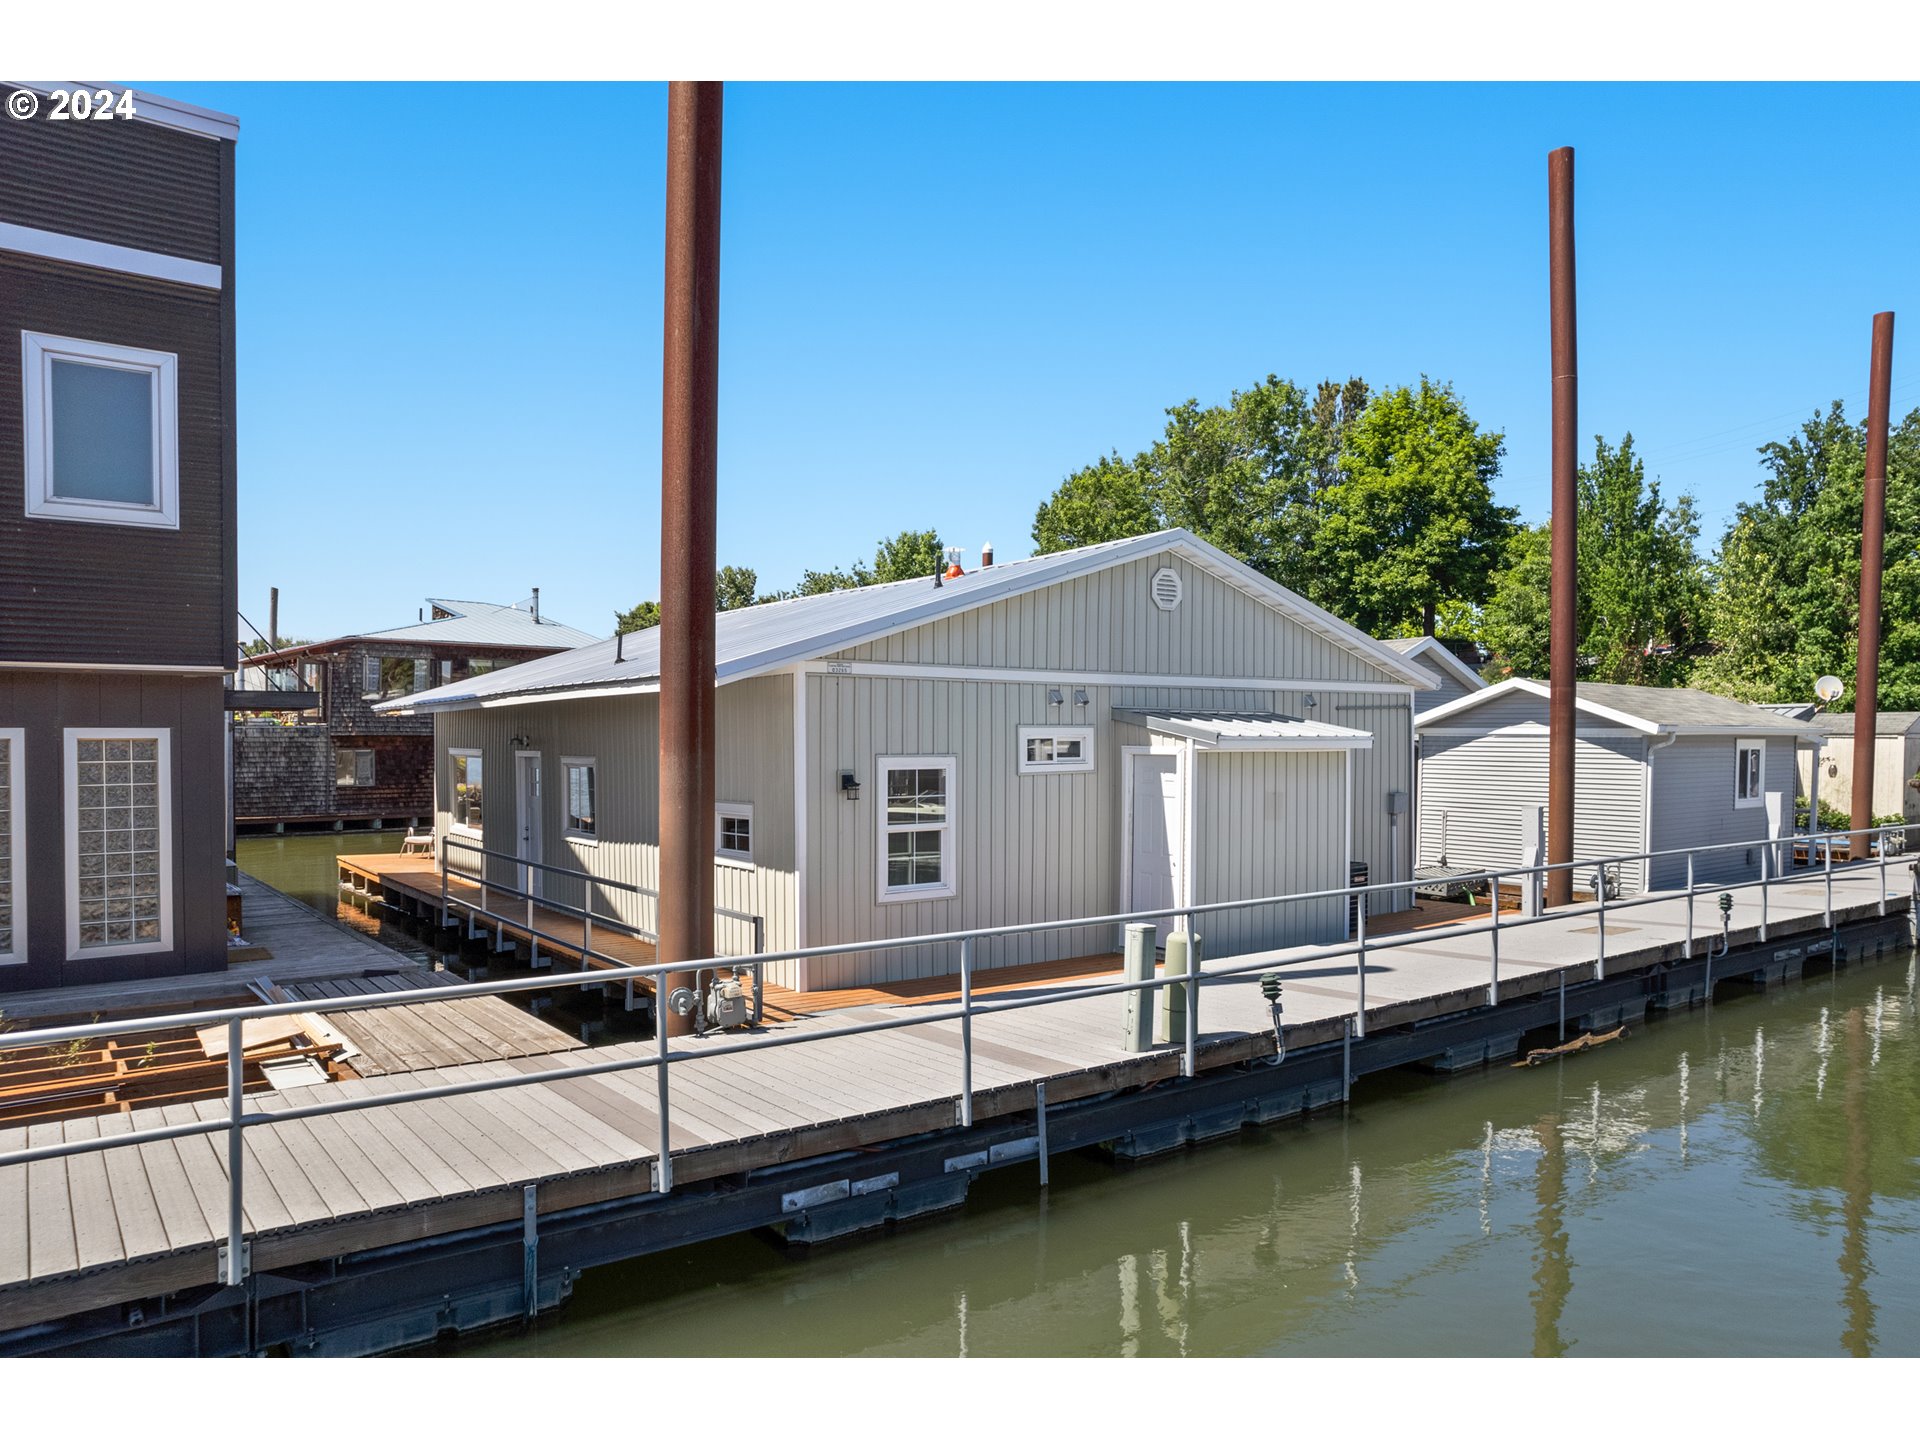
(145,1220)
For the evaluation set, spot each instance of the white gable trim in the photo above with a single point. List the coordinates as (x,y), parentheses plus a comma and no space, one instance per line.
(1518,686)
(1462,672)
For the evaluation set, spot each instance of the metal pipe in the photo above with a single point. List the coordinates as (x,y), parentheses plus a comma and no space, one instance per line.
(1564,643)
(1040,1123)
(236,1154)
(689,434)
(663,1162)
(1600,924)
(1873,554)
(1689,905)
(1346,1062)
(1360,973)
(966,1031)
(530,1247)
(1493,980)
(1763,890)
(1189,1061)
(1829,880)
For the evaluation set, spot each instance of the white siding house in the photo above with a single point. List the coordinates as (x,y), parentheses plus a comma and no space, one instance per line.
(1453,676)
(1142,723)
(1654,769)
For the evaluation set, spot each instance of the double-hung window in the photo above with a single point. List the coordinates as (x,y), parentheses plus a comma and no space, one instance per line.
(576,773)
(353,767)
(733,832)
(916,827)
(13,889)
(465,767)
(119,842)
(1749,774)
(102,432)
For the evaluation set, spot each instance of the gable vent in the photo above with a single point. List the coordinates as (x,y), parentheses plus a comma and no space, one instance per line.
(1167,588)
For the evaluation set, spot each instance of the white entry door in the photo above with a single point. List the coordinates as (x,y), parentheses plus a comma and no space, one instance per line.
(1154,840)
(527,814)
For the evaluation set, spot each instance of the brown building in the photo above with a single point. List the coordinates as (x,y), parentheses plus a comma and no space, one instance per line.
(341,763)
(117,537)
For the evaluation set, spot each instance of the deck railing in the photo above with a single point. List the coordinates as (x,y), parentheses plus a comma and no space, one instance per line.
(233,1265)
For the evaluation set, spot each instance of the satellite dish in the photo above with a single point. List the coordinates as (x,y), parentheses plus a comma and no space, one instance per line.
(1828,688)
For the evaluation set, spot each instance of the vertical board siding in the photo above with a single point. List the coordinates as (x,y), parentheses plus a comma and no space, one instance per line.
(1474,788)
(1033,848)
(753,733)
(1269,824)
(1451,689)
(1693,790)
(1108,622)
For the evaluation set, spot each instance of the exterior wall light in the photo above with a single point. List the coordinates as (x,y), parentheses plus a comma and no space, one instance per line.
(849,786)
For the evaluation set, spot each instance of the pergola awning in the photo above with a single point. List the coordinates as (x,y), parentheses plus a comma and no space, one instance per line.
(1222,731)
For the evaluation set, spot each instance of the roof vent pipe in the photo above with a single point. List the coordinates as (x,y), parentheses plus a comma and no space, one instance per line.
(939,569)
(620,647)
(536,604)
(986,555)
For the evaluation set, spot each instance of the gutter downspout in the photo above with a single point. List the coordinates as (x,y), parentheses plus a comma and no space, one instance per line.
(1646,805)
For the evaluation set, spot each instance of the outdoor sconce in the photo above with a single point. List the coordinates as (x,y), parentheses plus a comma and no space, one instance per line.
(519,742)
(849,787)
(1055,695)
(1080,697)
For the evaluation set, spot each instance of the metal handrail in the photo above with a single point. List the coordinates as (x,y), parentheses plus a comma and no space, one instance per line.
(237,1119)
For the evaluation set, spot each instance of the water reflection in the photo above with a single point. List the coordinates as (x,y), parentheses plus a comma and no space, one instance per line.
(1706,1194)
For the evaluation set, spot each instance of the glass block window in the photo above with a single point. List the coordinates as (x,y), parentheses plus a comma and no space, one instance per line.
(733,831)
(117,805)
(13,920)
(916,827)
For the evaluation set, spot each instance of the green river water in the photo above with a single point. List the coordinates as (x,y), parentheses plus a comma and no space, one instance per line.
(1739,1181)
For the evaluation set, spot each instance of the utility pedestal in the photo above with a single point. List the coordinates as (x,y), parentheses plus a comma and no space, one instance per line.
(1136,1030)
(1170,1010)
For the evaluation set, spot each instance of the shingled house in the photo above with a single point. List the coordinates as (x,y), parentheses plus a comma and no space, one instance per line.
(344,763)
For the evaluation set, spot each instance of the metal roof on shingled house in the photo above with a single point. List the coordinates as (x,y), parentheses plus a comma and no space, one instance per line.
(760,638)
(467,622)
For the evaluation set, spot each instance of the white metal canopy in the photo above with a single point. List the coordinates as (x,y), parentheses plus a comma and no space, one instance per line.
(1218,731)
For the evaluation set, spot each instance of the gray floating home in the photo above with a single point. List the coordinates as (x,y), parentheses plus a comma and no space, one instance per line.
(1454,676)
(1654,769)
(1131,725)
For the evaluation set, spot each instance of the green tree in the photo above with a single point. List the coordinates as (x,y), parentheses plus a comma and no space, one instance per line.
(643,616)
(1642,593)
(1243,476)
(910,555)
(1411,522)
(733,589)
(1786,590)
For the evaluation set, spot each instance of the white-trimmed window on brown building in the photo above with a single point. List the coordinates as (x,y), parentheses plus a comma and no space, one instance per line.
(102,432)
(119,841)
(352,767)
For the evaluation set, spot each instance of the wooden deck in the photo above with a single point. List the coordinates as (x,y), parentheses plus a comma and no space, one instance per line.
(97,1229)
(394,1039)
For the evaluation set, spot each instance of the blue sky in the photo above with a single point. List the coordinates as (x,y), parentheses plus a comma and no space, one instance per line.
(938,300)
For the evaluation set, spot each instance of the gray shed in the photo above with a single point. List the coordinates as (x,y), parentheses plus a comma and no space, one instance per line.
(1826,768)
(1127,725)
(1654,769)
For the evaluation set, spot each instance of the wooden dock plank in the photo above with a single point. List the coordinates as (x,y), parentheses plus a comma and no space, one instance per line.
(96,1226)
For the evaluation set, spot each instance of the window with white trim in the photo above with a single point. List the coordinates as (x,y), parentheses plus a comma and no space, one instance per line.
(1047,748)
(391,675)
(1750,774)
(13,890)
(102,431)
(733,831)
(465,770)
(353,767)
(119,842)
(576,775)
(916,827)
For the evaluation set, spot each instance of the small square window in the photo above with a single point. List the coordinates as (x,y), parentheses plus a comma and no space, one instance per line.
(733,831)
(353,767)
(101,431)
(577,776)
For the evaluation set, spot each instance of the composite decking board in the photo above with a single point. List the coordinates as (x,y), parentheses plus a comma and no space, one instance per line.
(643,1105)
(726,1092)
(508,1156)
(602,1105)
(14,1264)
(561,1122)
(544,1145)
(689,1114)
(181,1223)
(771,1095)
(262,1204)
(174,1180)
(96,1224)
(1024,1063)
(841,1091)
(289,1154)
(377,1185)
(445,1164)
(50,1237)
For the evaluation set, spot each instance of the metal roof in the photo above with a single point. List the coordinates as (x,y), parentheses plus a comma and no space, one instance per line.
(1214,730)
(468,622)
(1651,709)
(1420,647)
(761,638)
